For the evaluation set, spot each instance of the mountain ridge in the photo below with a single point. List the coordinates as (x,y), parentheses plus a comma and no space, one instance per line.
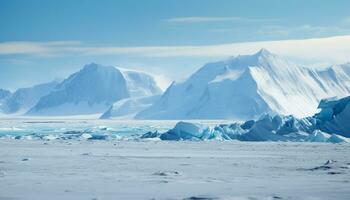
(246,86)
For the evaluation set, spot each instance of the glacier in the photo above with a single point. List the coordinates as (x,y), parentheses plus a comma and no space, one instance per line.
(263,83)
(331,124)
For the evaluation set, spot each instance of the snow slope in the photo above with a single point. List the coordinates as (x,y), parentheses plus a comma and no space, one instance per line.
(23,99)
(128,108)
(244,87)
(140,84)
(93,90)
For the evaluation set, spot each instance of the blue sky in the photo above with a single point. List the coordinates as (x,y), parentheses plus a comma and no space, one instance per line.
(43,40)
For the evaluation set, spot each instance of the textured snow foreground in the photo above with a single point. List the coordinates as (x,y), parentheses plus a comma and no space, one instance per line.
(173,170)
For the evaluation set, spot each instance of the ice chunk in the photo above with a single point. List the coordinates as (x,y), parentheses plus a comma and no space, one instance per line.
(267,128)
(186,131)
(318,136)
(150,134)
(337,139)
(334,116)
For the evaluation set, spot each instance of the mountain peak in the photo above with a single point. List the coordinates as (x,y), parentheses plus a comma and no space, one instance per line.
(94,66)
(263,52)
(91,66)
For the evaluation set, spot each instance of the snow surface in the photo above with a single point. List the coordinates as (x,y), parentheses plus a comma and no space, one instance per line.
(173,170)
(244,87)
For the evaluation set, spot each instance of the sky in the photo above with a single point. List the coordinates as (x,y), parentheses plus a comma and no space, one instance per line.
(170,39)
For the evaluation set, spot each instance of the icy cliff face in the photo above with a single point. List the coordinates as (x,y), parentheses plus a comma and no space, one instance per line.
(334,116)
(244,87)
(93,90)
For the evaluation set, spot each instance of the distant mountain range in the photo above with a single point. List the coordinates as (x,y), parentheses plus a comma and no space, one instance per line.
(23,99)
(240,88)
(92,90)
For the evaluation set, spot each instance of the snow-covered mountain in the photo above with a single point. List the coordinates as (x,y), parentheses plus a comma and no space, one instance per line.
(4,93)
(25,98)
(244,87)
(140,84)
(93,90)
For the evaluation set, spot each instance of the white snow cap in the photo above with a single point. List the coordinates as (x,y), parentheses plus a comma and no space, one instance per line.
(246,86)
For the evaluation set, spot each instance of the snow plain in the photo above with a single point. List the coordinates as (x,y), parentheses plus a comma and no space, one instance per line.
(112,169)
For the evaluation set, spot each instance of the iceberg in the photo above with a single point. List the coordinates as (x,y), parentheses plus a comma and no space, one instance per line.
(337,139)
(318,136)
(186,131)
(265,130)
(334,116)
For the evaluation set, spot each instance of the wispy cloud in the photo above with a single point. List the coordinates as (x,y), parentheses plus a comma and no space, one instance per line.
(331,49)
(36,48)
(196,19)
(304,29)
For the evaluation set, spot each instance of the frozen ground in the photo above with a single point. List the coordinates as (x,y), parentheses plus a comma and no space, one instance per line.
(71,169)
